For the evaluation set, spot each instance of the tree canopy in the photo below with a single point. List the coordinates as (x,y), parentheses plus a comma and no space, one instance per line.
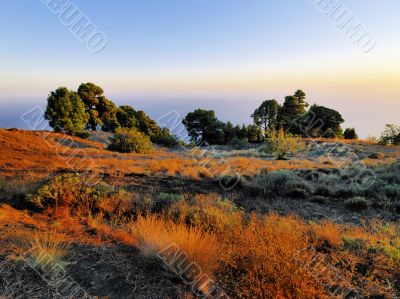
(266,115)
(321,121)
(65,111)
(292,109)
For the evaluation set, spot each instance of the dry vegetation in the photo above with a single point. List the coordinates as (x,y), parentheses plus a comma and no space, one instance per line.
(116,239)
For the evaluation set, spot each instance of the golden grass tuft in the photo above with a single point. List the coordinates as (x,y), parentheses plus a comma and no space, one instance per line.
(187,252)
(47,250)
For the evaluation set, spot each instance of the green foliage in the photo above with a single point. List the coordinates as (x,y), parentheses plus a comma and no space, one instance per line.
(65,111)
(321,121)
(90,94)
(280,183)
(147,125)
(391,135)
(126,117)
(238,144)
(165,139)
(130,140)
(350,133)
(292,109)
(209,211)
(204,127)
(282,145)
(107,113)
(71,191)
(265,116)
(392,192)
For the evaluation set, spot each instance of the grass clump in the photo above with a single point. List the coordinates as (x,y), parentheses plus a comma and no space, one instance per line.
(186,252)
(47,251)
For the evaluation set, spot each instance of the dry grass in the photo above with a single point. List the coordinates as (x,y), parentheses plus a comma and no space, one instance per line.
(24,151)
(47,250)
(187,252)
(283,257)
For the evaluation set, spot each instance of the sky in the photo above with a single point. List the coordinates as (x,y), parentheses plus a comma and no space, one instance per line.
(225,55)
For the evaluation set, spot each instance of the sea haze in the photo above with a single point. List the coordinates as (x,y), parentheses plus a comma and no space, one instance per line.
(368,117)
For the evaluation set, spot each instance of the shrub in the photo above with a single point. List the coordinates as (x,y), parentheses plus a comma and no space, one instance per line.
(357,203)
(377,156)
(348,192)
(186,252)
(208,211)
(83,134)
(350,133)
(164,201)
(392,191)
(130,140)
(323,190)
(239,144)
(282,182)
(391,135)
(282,145)
(166,140)
(319,199)
(72,192)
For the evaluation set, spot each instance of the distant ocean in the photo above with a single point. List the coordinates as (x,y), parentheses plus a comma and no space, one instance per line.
(368,117)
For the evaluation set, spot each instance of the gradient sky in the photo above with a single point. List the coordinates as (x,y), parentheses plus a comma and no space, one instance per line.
(226,55)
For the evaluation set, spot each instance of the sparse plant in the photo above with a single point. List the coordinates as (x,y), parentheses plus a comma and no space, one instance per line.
(281,145)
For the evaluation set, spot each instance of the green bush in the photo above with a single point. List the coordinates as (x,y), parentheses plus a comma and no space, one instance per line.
(281,183)
(239,144)
(166,140)
(319,199)
(350,133)
(392,191)
(130,140)
(282,145)
(83,134)
(71,191)
(357,203)
(209,211)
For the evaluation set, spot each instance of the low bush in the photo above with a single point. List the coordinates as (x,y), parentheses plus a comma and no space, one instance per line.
(281,183)
(282,145)
(392,191)
(319,199)
(130,140)
(239,144)
(71,191)
(208,211)
(357,203)
(377,156)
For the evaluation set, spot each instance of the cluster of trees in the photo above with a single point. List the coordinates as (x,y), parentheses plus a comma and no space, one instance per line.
(292,117)
(204,127)
(391,135)
(74,112)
